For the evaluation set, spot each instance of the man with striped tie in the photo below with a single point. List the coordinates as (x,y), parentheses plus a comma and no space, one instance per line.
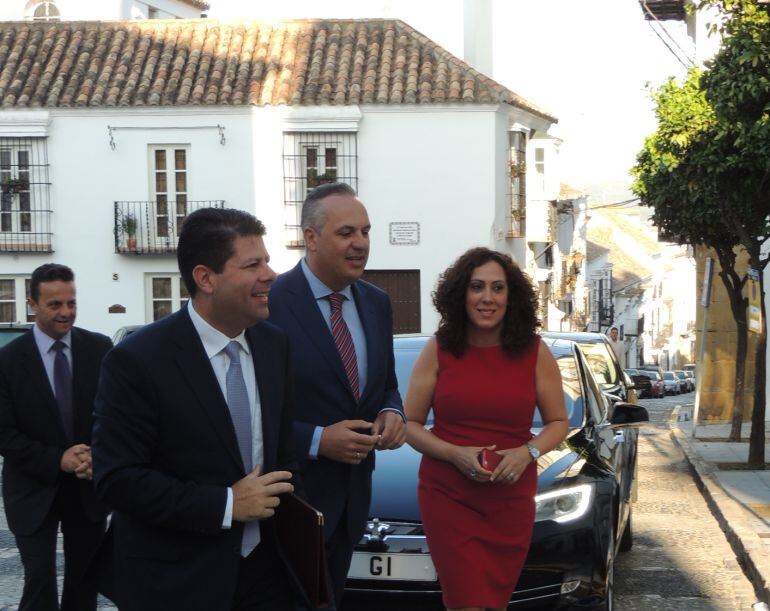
(192,443)
(347,400)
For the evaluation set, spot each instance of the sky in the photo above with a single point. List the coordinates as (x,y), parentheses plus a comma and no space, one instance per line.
(587,62)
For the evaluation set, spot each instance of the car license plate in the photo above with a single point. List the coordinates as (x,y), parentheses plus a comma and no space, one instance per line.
(412,567)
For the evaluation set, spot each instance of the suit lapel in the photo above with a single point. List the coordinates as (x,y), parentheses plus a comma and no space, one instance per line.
(309,317)
(196,369)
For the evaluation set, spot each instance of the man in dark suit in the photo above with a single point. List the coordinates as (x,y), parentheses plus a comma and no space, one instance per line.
(192,441)
(48,381)
(341,332)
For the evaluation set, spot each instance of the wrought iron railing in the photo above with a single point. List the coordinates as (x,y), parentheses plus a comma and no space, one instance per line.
(149,228)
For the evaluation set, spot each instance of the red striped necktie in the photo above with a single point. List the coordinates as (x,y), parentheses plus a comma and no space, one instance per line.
(344,341)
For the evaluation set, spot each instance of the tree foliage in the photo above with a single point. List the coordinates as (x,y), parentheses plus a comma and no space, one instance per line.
(706,170)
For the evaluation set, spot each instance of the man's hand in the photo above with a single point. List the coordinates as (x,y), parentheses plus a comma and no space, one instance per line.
(74,456)
(391,428)
(86,468)
(341,442)
(256,496)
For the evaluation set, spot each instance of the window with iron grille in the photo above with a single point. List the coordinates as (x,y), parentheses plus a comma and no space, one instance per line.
(311,159)
(25,208)
(518,171)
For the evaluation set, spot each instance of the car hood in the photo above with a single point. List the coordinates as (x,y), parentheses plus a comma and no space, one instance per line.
(394,484)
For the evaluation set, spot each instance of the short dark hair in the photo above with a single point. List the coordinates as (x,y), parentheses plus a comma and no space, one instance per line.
(615,328)
(312,210)
(48,272)
(520,322)
(207,238)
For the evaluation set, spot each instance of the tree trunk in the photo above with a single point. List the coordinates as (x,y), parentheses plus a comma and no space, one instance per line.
(757,438)
(738,304)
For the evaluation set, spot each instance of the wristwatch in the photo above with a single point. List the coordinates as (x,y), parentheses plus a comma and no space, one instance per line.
(533,451)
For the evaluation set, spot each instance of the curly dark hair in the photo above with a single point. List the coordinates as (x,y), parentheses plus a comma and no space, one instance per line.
(520,322)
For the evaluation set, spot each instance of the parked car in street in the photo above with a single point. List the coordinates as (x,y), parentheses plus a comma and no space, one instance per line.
(687,383)
(691,374)
(10,331)
(123,333)
(642,383)
(672,383)
(657,388)
(583,506)
(603,362)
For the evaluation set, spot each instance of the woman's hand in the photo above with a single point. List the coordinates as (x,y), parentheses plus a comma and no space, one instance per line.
(515,460)
(466,461)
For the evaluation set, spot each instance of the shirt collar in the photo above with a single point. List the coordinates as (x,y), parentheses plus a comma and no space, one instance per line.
(214,341)
(318,288)
(45,342)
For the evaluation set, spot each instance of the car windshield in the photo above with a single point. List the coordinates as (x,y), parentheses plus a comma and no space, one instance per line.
(601,362)
(651,374)
(668,376)
(573,396)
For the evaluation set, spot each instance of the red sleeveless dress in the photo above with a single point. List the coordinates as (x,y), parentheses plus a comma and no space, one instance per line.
(479,533)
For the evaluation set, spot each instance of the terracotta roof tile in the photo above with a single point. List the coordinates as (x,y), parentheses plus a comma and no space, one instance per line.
(205,62)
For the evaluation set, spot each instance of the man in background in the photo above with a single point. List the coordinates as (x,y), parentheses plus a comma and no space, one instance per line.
(618,347)
(48,380)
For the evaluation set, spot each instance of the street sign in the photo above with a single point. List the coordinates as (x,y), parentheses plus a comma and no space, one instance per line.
(755,301)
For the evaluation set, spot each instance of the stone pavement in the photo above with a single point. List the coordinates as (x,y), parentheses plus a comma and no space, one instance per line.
(739,498)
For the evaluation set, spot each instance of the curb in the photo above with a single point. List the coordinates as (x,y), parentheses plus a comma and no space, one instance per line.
(733,518)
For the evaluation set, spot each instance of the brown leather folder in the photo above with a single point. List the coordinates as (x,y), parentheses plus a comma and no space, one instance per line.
(300,529)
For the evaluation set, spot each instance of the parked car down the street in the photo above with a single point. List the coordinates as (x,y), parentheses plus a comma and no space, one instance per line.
(686,380)
(657,388)
(583,506)
(123,333)
(642,383)
(672,383)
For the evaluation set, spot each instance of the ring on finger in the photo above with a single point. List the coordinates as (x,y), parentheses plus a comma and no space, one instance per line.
(473,473)
(510,476)
(358,455)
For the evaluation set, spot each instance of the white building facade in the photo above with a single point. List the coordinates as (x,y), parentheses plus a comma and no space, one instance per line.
(98,174)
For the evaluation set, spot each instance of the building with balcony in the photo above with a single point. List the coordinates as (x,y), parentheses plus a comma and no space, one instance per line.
(112,132)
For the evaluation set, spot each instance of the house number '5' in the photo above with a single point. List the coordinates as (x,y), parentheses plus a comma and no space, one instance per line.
(376,567)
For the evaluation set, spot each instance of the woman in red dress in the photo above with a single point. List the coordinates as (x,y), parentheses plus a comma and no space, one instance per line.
(482,374)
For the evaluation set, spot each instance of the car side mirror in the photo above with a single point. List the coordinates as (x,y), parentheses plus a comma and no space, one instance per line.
(626,414)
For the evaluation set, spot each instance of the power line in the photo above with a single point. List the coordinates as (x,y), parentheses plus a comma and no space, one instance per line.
(625,202)
(671,38)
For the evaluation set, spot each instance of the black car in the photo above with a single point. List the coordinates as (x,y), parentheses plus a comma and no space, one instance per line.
(603,362)
(10,331)
(583,518)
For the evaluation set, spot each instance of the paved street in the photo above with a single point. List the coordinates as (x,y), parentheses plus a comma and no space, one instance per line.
(680,558)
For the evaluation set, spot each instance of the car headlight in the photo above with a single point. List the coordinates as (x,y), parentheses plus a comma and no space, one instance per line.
(563,505)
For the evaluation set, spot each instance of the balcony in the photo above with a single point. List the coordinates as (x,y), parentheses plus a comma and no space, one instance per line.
(663,9)
(152,228)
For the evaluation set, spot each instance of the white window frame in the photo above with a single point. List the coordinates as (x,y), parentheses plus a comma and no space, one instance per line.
(20,299)
(14,171)
(177,300)
(171,194)
(540,167)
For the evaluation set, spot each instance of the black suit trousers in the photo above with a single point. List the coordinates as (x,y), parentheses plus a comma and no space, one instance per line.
(38,555)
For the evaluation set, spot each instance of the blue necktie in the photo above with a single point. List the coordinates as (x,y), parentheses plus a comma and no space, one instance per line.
(62,388)
(240,413)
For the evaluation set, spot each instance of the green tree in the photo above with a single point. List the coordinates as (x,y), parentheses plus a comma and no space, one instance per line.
(737,85)
(670,174)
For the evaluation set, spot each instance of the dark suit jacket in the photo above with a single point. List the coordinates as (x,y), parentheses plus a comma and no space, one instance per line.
(165,451)
(323,394)
(32,438)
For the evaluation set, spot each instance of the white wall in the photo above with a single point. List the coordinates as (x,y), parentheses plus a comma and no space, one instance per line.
(437,166)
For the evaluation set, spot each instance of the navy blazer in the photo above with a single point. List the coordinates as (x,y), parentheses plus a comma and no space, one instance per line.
(32,438)
(323,394)
(165,451)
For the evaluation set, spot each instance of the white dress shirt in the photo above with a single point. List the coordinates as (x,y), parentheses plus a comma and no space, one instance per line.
(214,343)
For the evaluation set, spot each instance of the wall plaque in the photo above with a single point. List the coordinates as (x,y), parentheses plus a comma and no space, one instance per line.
(405,234)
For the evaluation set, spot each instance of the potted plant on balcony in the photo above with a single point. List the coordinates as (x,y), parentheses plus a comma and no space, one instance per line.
(13,185)
(129,225)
